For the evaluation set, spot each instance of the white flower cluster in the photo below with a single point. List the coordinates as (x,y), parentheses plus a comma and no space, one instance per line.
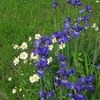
(23,55)
(37,36)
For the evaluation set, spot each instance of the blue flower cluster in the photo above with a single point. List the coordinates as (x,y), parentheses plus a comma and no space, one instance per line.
(44,95)
(75,2)
(71,28)
(82,84)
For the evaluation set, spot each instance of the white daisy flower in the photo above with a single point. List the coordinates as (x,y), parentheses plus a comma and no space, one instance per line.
(37,36)
(24,46)
(50,47)
(23,55)
(49,60)
(62,46)
(15,46)
(14,91)
(29,39)
(34,78)
(35,57)
(16,61)
(10,78)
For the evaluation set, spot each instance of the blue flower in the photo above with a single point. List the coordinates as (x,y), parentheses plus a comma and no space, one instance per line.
(51,94)
(55,4)
(68,19)
(37,43)
(70,71)
(85,19)
(79,19)
(46,41)
(88,8)
(89,79)
(70,85)
(40,72)
(63,72)
(41,64)
(81,80)
(58,81)
(63,64)
(67,26)
(90,87)
(75,2)
(62,57)
(76,96)
(80,87)
(43,95)
(43,51)
(75,34)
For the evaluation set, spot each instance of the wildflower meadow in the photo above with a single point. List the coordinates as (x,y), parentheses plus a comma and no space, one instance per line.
(49,50)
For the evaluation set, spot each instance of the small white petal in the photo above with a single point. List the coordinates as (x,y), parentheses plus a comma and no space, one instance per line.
(62,46)
(50,47)
(49,60)
(54,40)
(15,46)
(29,39)
(16,61)
(37,36)
(35,57)
(24,46)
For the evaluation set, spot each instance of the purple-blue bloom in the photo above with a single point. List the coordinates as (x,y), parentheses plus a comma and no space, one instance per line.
(55,4)
(41,64)
(37,43)
(75,2)
(88,8)
(46,41)
(58,81)
(76,96)
(40,72)
(89,79)
(43,52)
(75,34)
(62,57)
(44,95)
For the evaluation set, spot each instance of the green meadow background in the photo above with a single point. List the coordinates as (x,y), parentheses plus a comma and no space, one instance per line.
(20,19)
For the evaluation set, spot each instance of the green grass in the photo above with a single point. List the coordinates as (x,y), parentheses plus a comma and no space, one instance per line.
(20,19)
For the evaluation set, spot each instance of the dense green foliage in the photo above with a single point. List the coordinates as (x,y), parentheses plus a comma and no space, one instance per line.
(20,19)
